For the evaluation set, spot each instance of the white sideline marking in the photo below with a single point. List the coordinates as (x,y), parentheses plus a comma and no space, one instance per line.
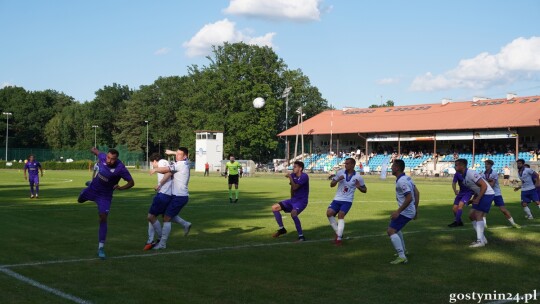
(119,205)
(214,249)
(42,286)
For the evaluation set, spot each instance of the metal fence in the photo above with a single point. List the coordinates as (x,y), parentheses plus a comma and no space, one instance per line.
(129,158)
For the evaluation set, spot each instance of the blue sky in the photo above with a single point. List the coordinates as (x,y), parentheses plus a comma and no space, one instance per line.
(353,51)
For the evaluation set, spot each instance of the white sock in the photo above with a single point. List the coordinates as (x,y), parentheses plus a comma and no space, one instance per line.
(157,228)
(402,241)
(333,223)
(527,211)
(473,224)
(340,228)
(396,241)
(150,233)
(101,245)
(511,220)
(480,231)
(485,221)
(165,233)
(180,221)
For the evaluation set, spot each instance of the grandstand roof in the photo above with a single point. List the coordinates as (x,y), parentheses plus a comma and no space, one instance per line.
(467,115)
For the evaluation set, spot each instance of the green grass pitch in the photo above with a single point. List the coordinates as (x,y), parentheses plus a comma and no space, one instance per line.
(230,256)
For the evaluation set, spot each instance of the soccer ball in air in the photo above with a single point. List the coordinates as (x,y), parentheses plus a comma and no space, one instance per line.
(258,102)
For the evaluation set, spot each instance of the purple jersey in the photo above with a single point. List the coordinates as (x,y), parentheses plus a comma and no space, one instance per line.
(33,168)
(458,178)
(301,194)
(107,177)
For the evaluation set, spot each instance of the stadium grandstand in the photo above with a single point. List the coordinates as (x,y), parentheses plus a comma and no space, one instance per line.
(428,137)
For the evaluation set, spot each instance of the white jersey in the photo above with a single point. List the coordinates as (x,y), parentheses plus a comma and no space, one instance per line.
(495,177)
(180,170)
(526,177)
(167,187)
(404,186)
(347,186)
(471,177)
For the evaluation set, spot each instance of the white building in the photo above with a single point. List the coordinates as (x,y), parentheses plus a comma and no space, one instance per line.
(208,148)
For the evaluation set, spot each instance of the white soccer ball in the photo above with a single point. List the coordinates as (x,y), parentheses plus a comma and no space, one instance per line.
(258,102)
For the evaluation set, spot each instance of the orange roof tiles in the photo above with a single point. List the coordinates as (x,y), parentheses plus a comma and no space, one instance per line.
(483,114)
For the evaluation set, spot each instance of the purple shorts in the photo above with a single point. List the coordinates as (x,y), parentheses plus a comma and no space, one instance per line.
(399,223)
(103,202)
(176,204)
(463,197)
(159,204)
(485,203)
(290,204)
(498,200)
(33,179)
(338,206)
(529,196)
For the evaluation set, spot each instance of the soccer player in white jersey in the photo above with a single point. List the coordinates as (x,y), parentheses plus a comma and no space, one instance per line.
(481,202)
(528,187)
(492,178)
(180,194)
(348,181)
(160,202)
(408,198)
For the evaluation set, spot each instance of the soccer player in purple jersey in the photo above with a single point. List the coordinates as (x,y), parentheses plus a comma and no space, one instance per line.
(33,175)
(408,198)
(101,189)
(463,196)
(299,182)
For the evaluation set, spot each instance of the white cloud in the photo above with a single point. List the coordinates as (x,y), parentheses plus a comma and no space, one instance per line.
(296,10)
(162,51)
(389,80)
(219,32)
(5,84)
(519,59)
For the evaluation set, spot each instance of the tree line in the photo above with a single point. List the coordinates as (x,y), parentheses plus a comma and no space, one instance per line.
(217,96)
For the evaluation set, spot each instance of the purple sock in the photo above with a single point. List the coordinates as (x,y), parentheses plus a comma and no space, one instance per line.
(298,225)
(102,231)
(279,220)
(37,189)
(32,189)
(458,215)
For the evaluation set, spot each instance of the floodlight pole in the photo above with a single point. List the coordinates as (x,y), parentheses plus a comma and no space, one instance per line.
(147,162)
(286,95)
(95,138)
(8,114)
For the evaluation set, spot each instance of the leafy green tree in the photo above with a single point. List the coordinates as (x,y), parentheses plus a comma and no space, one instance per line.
(388,103)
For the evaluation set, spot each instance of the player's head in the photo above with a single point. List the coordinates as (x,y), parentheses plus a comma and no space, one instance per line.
(398,167)
(489,164)
(181,153)
(520,162)
(298,167)
(112,157)
(461,165)
(31,157)
(231,158)
(350,163)
(154,157)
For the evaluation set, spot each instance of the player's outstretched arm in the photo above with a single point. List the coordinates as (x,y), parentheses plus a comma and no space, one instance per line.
(417,200)
(162,170)
(128,185)
(94,151)
(170,152)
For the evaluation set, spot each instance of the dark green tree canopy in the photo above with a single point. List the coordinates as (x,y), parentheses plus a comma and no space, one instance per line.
(218,96)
